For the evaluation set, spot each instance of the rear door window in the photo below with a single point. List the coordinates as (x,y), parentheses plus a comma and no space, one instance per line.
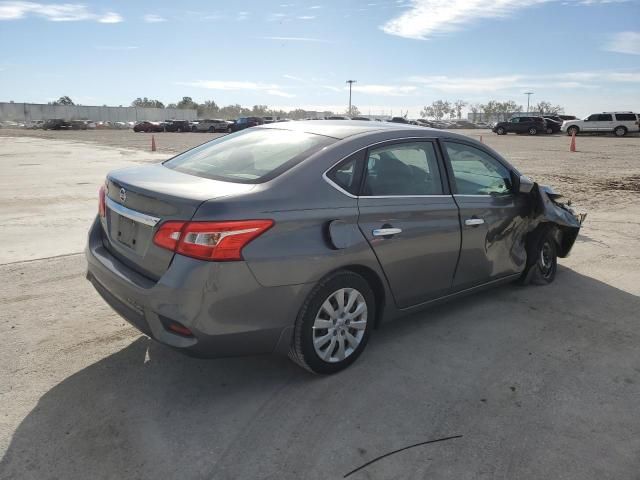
(403,169)
(347,174)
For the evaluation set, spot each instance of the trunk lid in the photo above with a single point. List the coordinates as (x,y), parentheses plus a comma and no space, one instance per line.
(139,199)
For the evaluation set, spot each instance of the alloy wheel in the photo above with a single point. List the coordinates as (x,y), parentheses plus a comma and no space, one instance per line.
(340,325)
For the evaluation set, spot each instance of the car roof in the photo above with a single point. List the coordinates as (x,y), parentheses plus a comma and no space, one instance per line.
(341,129)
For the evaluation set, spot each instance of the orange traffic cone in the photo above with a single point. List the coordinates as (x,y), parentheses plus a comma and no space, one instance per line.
(572,147)
(481,139)
(153,143)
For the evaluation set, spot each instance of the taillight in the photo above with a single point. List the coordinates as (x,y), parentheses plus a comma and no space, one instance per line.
(102,207)
(219,241)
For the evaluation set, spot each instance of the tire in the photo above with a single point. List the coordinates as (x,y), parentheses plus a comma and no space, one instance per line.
(542,259)
(533,131)
(229,130)
(620,131)
(549,131)
(211,130)
(573,129)
(501,131)
(334,343)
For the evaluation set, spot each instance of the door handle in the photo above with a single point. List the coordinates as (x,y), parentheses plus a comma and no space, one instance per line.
(474,222)
(383,232)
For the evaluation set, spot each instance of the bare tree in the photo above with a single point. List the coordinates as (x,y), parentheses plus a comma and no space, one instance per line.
(354,112)
(458,105)
(475,108)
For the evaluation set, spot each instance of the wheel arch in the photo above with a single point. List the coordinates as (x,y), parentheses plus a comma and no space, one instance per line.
(376,284)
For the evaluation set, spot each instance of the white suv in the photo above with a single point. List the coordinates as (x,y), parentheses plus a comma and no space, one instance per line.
(619,123)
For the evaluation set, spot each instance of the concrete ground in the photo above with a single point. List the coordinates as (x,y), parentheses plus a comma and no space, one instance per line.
(541,382)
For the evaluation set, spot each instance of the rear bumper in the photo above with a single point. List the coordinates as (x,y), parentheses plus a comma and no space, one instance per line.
(222,303)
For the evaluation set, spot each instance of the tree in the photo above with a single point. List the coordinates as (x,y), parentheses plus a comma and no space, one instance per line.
(428,112)
(260,110)
(546,108)
(208,109)
(354,112)
(475,108)
(63,101)
(172,105)
(458,106)
(147,103)
(187,103)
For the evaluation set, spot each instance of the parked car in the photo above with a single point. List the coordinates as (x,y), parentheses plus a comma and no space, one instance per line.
(78,125)
(34,124)
(270,119)
(147,127)
(567,117)
(618,123)
(424,123)
(530,125)
(398,120)
(217,262)
(465,124)
(554,123)
(56,124)
(483,125)
(246,122)
(336,117)
(364,119)
(212,125)
(177,126)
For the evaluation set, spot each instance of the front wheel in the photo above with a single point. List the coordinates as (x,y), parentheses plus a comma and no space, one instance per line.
(333,325)
(543,259)
(572,131)
(549,131)
(501,131)
(229,130)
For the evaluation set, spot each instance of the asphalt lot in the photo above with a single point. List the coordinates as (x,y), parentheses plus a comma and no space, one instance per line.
(541,382)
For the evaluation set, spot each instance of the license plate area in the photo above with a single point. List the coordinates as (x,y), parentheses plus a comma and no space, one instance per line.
(127,232)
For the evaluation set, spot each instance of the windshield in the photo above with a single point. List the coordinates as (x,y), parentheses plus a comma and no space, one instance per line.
(251,156)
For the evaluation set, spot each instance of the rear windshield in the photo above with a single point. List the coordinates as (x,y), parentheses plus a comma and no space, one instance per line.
(250,156)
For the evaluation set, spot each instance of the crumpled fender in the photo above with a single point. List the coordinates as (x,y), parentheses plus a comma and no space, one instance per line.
(548,212)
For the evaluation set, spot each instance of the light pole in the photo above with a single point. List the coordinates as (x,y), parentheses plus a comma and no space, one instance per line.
(350,82)
(528,94)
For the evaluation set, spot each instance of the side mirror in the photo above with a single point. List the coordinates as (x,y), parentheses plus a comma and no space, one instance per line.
(525,184)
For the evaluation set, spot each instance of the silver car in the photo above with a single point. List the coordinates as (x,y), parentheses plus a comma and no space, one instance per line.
(302,237)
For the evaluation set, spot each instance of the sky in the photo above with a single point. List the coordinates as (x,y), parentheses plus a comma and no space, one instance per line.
(404,54)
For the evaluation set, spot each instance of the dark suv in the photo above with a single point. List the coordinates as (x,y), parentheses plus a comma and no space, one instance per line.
(530,125)
(56,124)
(177,126)
(246,122)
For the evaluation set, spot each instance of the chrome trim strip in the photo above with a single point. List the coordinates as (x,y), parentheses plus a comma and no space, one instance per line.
(350,195)
(132,214)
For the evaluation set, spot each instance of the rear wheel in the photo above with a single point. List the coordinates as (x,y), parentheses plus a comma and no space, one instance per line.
(501,131)
(549,130)
(229,130)
(620,131)
(333,325)
(573,130)
(533,131)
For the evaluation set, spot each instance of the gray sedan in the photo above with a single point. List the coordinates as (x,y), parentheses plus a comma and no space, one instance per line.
(302,237)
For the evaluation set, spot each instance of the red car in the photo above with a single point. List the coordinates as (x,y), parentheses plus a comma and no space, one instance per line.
(148,127)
